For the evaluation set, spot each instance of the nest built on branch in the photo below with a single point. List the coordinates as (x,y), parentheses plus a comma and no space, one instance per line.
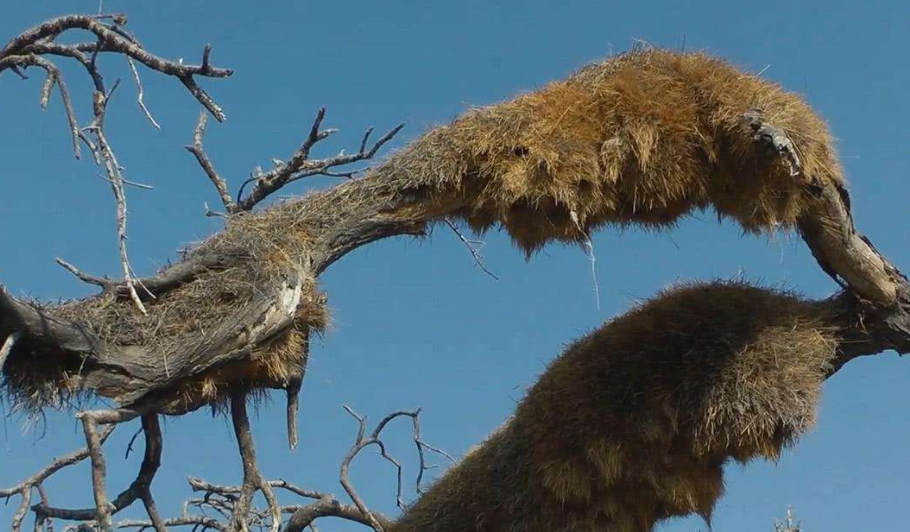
(642,138)
(630,425)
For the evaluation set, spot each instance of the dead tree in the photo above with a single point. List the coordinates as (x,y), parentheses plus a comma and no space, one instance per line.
(642,138)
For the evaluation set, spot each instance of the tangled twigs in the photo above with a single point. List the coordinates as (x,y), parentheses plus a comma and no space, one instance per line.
(374,439)
(27,50)
(35,482)
(252,478)
(233,503)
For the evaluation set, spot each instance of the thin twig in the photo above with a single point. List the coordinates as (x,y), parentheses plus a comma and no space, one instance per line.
(478,260)
(84,277)
(140,96)
(199,152)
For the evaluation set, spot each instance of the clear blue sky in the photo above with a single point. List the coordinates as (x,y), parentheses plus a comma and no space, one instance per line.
(415,323)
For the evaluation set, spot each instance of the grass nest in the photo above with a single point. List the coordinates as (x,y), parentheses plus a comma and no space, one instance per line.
(633,423)
(642,138)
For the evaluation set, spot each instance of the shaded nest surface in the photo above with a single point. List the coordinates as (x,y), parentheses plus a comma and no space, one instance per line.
(633,423)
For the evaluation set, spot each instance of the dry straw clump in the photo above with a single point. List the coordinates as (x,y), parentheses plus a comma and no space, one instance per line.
(633,423)
(642,138)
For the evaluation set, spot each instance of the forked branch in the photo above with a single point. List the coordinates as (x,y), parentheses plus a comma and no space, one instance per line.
(300,166)
(25,488)
(139,489)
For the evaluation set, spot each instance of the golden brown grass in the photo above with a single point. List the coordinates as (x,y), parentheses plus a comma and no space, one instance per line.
(633,423)
(642,138)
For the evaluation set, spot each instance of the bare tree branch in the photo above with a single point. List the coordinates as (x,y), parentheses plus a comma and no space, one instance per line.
(199,152)
(304,516)
(374,439)
(25,50)
(300,165)
(99,473)
(104,283)
(112,39)
(252,478)
(139,489)
(843,253)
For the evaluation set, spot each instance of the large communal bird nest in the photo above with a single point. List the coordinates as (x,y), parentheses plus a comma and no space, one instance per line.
(634,423)
(642,138)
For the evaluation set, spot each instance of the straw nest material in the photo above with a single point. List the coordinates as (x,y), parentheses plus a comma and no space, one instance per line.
(634,423)
(642,138)
(254,257)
